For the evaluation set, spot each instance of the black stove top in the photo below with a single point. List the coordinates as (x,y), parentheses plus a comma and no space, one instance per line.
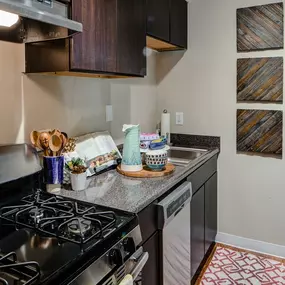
(46,239)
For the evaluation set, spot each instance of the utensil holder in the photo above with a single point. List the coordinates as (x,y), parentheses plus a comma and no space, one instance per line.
(53,169)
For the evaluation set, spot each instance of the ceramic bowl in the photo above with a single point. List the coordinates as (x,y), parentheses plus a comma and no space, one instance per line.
(156,159)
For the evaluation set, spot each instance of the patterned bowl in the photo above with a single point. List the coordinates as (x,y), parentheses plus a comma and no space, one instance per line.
(156,159)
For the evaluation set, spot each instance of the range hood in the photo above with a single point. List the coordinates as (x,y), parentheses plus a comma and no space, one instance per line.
(36,20)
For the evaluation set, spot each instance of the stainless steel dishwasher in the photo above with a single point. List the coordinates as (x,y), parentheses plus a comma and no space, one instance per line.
(174,222)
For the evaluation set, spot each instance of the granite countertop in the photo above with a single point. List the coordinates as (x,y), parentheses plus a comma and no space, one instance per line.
(132,194)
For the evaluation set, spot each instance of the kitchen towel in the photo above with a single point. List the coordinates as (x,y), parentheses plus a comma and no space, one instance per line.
(128,280)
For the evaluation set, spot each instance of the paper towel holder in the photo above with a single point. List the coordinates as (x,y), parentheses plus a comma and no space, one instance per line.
(167,134)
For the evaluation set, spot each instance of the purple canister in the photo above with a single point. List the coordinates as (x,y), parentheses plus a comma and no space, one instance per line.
(53,169)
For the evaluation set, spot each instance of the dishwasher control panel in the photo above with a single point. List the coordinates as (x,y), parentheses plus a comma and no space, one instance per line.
(172,204)
(177,204)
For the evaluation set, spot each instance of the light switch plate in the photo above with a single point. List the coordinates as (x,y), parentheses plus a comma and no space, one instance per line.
(109,113)
(179,118)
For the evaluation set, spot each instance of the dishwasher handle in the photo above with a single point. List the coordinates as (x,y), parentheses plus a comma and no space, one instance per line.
(170,206)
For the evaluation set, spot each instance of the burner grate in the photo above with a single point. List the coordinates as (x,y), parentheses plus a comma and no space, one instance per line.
(69,220)
(25,273)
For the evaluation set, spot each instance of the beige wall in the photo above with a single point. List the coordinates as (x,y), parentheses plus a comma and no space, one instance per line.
(202,84)
(75,105)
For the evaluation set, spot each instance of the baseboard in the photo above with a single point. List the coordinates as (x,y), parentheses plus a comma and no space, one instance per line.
(251,244)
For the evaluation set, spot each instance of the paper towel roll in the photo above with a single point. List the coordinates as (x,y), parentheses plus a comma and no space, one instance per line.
(165,125)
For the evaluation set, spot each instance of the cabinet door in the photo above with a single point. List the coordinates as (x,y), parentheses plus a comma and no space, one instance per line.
(95,48)
(197,229)
(179,23)
(151,271)
(211,211)
(131,27)
(158,19)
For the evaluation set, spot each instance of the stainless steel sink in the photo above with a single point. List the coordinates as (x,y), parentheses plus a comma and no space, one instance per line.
(183,156)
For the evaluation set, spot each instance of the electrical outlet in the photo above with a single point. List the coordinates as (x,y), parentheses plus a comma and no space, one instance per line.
(109,113)
(179,118)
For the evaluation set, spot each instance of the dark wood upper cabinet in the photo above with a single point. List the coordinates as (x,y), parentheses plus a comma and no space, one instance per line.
(158,20)
(167,24)
(179,23)
(111,45)
(95,48)
(131,38)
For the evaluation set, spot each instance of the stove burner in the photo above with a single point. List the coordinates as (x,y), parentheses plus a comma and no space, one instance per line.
(36,213)
(66,219)
(79,226)
(23,272)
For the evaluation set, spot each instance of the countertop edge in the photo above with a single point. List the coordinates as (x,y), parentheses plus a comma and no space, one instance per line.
(189,169)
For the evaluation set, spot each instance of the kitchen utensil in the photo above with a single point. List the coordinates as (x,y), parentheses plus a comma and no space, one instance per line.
(55,132)
(131,153)
(156,159)
(64,139)
(43,142)
(65,135)
(55,144)
(70,145)
(147,173)
(34,138)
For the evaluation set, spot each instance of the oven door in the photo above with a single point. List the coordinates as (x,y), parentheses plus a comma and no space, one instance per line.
(130,272)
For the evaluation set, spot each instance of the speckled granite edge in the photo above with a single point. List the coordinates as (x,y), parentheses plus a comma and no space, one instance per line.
(196,141)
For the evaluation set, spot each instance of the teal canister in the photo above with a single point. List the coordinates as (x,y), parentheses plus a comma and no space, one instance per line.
(131,161)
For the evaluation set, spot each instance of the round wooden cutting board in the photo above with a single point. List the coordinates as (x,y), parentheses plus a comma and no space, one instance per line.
(147,172)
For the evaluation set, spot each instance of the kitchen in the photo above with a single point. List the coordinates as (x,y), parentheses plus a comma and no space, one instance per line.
(203,82)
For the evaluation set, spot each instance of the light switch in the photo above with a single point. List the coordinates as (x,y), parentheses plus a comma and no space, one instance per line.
(109,113)
(179,118)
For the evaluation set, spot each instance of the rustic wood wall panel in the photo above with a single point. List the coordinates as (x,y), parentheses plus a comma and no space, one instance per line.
(260,79)
(260,27)
(259,131)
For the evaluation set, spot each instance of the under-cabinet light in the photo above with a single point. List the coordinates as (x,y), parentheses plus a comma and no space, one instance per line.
(8,19)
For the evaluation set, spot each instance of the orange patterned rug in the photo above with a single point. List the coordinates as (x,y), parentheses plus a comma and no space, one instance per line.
(233,266)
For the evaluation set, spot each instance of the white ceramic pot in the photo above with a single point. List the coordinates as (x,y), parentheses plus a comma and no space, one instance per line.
(78,181)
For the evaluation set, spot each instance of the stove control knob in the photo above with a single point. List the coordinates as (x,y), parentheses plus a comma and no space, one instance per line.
(129,245)
(115,257)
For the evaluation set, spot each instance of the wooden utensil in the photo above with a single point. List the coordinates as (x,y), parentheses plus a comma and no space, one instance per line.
(64,139)
(55,144)
(64,142)
(55,132)
(43,142)
(34,138)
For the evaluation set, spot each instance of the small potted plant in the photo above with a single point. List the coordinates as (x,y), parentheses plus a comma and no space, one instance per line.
(78,174)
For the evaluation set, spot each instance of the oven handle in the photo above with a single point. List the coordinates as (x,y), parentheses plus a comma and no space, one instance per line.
(140,263)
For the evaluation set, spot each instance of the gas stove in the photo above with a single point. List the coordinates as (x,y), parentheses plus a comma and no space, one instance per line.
(68,220)
(47,239)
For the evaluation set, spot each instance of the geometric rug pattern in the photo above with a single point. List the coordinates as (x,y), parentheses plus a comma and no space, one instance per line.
(230,266)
